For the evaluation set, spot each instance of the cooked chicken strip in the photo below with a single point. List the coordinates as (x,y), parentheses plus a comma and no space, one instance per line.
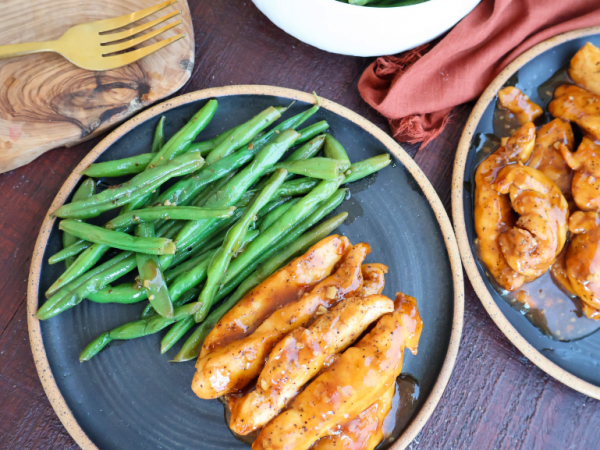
(493,213)
(518,103)
(584,68)
(532,245)
(547,158)
(373,279)
(301,355)
(559,272)
(583,260)
(363,432)
(232,367)
(358,379)
(586,181)
(577,105)
(286,285)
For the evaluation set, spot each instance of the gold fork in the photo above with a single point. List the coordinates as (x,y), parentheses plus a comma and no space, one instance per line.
(98,46)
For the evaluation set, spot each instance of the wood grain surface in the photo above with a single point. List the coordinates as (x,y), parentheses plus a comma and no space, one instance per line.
(47,102)
(496,399)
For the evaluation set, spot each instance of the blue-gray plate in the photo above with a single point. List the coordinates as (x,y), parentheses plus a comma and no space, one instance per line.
(555,336)
(131,397)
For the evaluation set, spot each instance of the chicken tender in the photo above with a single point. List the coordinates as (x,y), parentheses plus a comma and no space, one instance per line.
(586,181)
(577,105)
(373,279)
(559,272)
(286,285)
(232,367)
(363,432)
(301,355)
(518,103)
(493,212)
(360,377)
(547,156)
(532,245)
(584,68)
(583,260)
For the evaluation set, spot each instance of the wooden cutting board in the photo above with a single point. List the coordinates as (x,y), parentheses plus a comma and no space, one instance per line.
(47,102)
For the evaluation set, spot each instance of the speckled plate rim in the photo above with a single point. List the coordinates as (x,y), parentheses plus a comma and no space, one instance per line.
(35,335)
(469,260)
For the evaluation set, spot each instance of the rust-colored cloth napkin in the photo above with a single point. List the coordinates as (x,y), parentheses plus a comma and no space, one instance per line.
(417,90)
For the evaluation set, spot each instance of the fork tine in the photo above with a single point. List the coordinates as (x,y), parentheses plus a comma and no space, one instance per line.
(133,42)
(107,25)
(133,31)
(115,61)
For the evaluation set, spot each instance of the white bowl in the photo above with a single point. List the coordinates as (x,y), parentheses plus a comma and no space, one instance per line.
(364,31)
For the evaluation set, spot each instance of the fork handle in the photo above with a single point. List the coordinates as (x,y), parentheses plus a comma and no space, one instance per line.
(9,51)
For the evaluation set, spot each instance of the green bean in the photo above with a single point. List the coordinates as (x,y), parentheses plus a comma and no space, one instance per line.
(167,213)
(334,150)
(159,136)
(191,349)
(124,294)
(299,186)
(276,214)
(308,150)
(235,188)
(233,241)
(53,306)
(313,218)
(118,239)
(244,134)
(138,186)
(179,143)
(68,286)
(206,146)
(136,329)
(176,332)
(85,190)
(69,252)
(366,167)
(320,168)
(94,347)
(187,297)
(306,134)
(151,276)
(120,167)
(184,190)
(291,123)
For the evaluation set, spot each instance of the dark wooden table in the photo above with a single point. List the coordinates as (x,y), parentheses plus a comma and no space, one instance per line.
(496,399)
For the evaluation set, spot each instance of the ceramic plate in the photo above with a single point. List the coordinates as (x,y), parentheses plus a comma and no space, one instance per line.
(573,359)
(131,397)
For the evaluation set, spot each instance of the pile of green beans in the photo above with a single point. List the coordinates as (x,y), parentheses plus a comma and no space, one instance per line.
(237,209)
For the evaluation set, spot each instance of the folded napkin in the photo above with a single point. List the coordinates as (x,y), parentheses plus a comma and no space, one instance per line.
(417,90)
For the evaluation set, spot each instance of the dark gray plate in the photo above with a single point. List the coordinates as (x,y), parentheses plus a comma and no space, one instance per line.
(130,396)
(577,362)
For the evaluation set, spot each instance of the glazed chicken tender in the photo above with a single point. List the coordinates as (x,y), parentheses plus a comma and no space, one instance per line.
(584,68)
(547,156)
(286,285)
(373,279)
(360,377)
(301,355)
(586,181)
(232,367)
(493,212)
(583,260)
(363,432)
(577,105)
(532,245)
(516,102)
